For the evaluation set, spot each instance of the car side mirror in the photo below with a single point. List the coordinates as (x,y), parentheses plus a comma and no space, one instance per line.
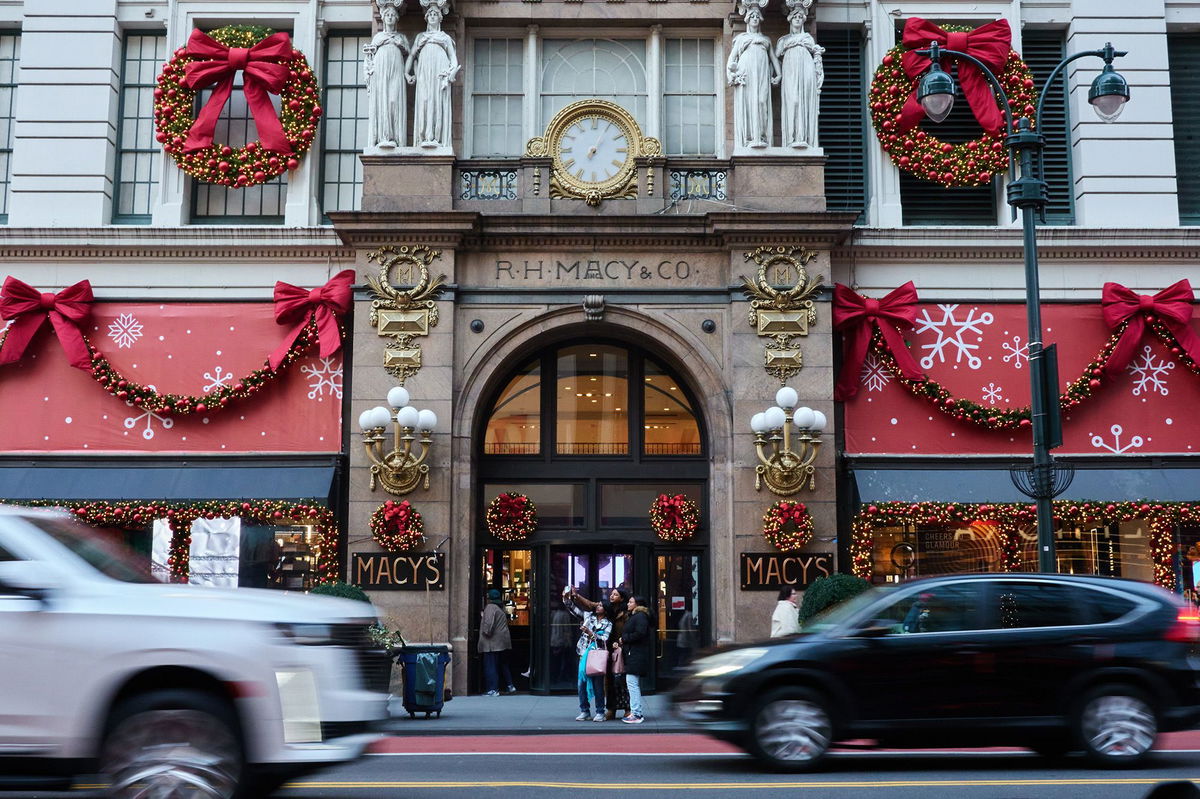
(28,578)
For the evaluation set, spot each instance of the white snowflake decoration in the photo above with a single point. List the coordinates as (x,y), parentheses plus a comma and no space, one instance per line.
(1018,353)
(874,374)
(218,379)
(992,393)
(1116,448)
(324,374)
(1149,373)
(150,417)
(125,331)
(950,331)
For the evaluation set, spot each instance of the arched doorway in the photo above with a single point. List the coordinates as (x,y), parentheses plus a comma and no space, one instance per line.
(592,431)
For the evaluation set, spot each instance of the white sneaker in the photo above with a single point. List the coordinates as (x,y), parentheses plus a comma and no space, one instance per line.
(598,717)
(492,693)
(632,719)
(584,716)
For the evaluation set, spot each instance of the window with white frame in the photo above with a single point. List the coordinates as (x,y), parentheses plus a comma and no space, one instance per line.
(689,97)
(138,153)
(496,96)
(582,69)
(344,124)
(10,57)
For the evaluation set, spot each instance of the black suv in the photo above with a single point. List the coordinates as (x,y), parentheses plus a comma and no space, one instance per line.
(1053,662)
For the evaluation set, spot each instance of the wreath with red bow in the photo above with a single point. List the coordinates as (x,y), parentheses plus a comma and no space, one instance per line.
(397,526)
(511,517)
(674,518)
(269,66)
(788,526)
(895,111)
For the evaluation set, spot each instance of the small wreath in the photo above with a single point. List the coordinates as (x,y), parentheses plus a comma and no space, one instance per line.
(251,163)
(674,518)
(397,526)
(971,163)
(788,526)
(511,517)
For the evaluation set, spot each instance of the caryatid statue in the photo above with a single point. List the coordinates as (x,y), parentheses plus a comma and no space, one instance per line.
(387,94)
(432,66)
(803,72)
(751,70)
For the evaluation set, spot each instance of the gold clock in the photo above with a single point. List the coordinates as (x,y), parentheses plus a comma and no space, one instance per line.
(593,146)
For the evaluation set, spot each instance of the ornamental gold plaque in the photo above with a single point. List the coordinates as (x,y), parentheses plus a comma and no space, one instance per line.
(593,146)
(781,305)
(406,309)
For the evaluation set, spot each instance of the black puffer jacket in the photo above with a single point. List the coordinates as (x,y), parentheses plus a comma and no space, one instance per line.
(637,643)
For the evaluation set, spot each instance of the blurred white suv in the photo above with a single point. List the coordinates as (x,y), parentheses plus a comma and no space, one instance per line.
(160,688)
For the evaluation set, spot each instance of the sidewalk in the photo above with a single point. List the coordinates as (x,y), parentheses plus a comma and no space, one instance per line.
(521,714)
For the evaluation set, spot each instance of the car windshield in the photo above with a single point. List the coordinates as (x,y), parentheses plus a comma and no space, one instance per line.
(101,549)
(835,615)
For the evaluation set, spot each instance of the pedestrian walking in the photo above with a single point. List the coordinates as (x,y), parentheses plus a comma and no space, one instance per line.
(636,650)
(594,635)
(616,694)
(786,618)
(495,642)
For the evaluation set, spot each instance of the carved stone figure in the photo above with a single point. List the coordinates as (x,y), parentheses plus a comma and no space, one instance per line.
(387,95)
(803,73)
(751,70)
(432,66)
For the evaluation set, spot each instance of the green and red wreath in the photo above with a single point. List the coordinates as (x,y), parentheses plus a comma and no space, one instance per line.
(891,102)
(397,526)
(788,526)
(674,518)
(268,65)
(511,517)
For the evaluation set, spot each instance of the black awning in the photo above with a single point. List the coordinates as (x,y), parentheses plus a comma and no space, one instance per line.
(180,482)
(994,485)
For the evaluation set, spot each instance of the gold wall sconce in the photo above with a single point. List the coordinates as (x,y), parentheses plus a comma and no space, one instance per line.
(786,456)
(399,470)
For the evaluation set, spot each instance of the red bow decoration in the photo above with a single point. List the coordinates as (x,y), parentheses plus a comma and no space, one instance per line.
(989,43)
(398,513)
(512,507)
(28,308)
(1173,305)
(854,315)
(294,305)
(672,510)
(791,512)
(261,74)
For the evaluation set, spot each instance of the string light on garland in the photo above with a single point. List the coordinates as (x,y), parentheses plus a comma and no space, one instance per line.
(252,163)
(674,518)
(788,526)
(397,526)
(971,163)
(511,517)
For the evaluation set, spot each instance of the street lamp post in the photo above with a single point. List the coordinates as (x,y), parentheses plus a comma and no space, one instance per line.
(1027,193)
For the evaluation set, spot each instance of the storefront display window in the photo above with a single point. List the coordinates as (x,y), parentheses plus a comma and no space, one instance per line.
(558,504)
(905,552)
(627,505)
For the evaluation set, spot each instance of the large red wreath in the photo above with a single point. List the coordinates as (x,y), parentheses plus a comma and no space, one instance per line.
(397,526)
(674,518)
(511,517)
(894,111)
(788,526)
(268,65)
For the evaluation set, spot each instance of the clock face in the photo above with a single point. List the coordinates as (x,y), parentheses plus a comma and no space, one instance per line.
(593,148)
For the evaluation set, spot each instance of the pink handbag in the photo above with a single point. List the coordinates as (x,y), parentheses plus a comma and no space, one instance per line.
(597,662)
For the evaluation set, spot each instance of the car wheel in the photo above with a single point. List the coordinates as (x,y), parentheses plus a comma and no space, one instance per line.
(791,730)
(172,743)
(1117,725)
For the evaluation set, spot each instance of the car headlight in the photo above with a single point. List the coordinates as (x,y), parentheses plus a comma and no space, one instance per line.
(727,662)
(307,634)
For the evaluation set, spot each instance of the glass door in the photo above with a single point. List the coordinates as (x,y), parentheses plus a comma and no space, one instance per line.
(510,571)
(593,571)
(677,616)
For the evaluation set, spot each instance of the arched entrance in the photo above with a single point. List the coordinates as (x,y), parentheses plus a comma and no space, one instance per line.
(592,431)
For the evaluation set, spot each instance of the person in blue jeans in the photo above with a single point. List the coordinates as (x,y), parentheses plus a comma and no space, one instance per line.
(636,642)
(594,633)
(495,641)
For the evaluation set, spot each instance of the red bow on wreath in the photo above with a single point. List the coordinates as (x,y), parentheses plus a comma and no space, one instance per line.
(672,510)
(792,513)
(1173,305)
(294,305)
(511,507)
(261,74)
(854,315)
(28,308)
(398,513)
(989,43)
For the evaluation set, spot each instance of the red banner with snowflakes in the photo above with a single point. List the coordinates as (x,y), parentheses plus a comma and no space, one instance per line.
(182,348)
(979,352)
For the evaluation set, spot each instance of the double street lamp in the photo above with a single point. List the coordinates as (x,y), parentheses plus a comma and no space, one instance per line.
(1027,192)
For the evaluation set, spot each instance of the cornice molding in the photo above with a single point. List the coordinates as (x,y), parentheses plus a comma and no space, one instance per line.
(1005,244)
(129,242)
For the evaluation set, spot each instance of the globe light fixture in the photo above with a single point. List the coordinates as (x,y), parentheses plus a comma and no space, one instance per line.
(786,439)
(402,468)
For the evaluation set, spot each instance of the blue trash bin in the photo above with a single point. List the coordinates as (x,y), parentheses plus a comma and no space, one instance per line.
(424,671)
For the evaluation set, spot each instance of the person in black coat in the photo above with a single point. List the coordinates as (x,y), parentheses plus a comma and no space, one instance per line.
(637,647)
